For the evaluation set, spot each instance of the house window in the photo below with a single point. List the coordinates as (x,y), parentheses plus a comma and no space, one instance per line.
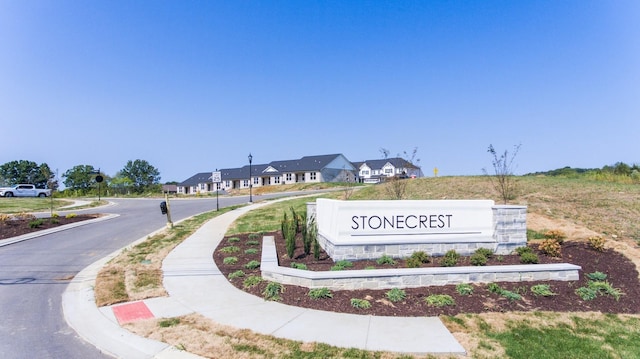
(388,170)
(288,177)
(365,173)
(256,180)
(276,180)
(227,184)
(312,176)
(245,183)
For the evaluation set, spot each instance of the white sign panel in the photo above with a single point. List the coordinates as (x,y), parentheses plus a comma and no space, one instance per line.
(404,221)
(216,177)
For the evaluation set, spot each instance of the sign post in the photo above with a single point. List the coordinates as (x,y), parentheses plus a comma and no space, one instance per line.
(216,178)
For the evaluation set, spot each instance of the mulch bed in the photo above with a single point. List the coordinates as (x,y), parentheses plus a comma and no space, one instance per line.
(621,274)
(16,227)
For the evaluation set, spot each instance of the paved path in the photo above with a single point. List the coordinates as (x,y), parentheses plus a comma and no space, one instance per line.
(195,285)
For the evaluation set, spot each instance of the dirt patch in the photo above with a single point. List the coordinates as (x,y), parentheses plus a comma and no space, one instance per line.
(621,274)
(17,227)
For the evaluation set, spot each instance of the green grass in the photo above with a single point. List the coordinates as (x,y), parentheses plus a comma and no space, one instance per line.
(612,337)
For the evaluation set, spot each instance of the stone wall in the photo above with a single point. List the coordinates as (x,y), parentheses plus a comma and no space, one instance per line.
(408,277)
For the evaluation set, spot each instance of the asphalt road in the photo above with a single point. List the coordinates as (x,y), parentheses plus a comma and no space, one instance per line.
(35,273)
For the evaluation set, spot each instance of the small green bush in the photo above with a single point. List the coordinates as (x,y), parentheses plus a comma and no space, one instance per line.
(230,249)
(598,276)
(71,215)
(170,322)
(360,303)
(230,260)
(252,281)
(272,291)
(234,240)
(529,258)
(586,293)
(236,274)
(464,289)
(299,266)
(450,259)
(413,263)
(320,293)
(485,252)
(253,243)
(254,236)
(440,300)
(543,290)
(478,259)
(396,295)
(251,251)
(385,259)
(252,265)
(36,223)
(422,256)
(603,288)
(522,250)
(341,265)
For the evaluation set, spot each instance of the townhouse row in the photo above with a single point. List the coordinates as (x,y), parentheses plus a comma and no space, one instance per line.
(308,169)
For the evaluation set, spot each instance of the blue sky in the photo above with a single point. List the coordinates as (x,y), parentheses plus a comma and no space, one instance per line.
(190,86)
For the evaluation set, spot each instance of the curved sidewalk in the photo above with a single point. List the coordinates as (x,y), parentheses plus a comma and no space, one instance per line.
(195,284)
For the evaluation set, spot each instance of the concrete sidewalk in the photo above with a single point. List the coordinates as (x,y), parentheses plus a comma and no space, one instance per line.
(195,285)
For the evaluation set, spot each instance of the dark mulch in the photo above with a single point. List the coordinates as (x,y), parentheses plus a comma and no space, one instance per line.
(621,274)
(16,227)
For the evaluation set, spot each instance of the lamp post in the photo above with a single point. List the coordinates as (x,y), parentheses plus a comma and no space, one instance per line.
(250,196)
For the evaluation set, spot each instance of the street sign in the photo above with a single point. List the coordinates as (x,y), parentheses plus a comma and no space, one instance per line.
(216,177)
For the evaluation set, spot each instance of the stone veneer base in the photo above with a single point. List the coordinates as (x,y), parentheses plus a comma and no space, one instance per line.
(408,277)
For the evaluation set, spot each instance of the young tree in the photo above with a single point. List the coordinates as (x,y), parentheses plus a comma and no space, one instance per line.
(143,175)
(397,185)
(503,180)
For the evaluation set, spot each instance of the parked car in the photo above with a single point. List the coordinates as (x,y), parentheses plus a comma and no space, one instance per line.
(24,190)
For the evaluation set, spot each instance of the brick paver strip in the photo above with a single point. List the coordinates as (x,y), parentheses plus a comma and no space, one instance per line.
(131,312)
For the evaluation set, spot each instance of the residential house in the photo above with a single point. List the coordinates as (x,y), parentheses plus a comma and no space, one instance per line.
(375,171)
(314,169)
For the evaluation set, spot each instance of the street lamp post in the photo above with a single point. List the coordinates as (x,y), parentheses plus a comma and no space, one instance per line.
(250,195)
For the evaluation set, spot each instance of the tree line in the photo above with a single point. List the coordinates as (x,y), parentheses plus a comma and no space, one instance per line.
(137,177)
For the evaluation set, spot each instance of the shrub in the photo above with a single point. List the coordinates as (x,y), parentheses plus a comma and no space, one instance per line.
(55,215)
(234,240)
(236,274)
(598,276)
(485,252)
(597,243)
(320,293)
(230,260)
(288,228)
(556,234)
(521,250)
(272,291)
(36,223)
(603,288)
(71,215)
(54,221)
(450,259)
(253,242)
(251,251)
(586,293)
(252,281)
(396,295)
(171,322)
(440,300)
(543,290)
(529,258)
(495,288)
(464,289)
(342,264)
(299,266)
(254,236)
(230,249)
(413,262)
(478,259)
(360,303)
(422,256)
(550,247)
(385,259)
(252,265)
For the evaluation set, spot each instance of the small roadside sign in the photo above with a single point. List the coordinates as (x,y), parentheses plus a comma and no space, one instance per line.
(216,177)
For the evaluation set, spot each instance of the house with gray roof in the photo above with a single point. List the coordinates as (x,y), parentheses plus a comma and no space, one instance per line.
(375,171)
(308,169)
